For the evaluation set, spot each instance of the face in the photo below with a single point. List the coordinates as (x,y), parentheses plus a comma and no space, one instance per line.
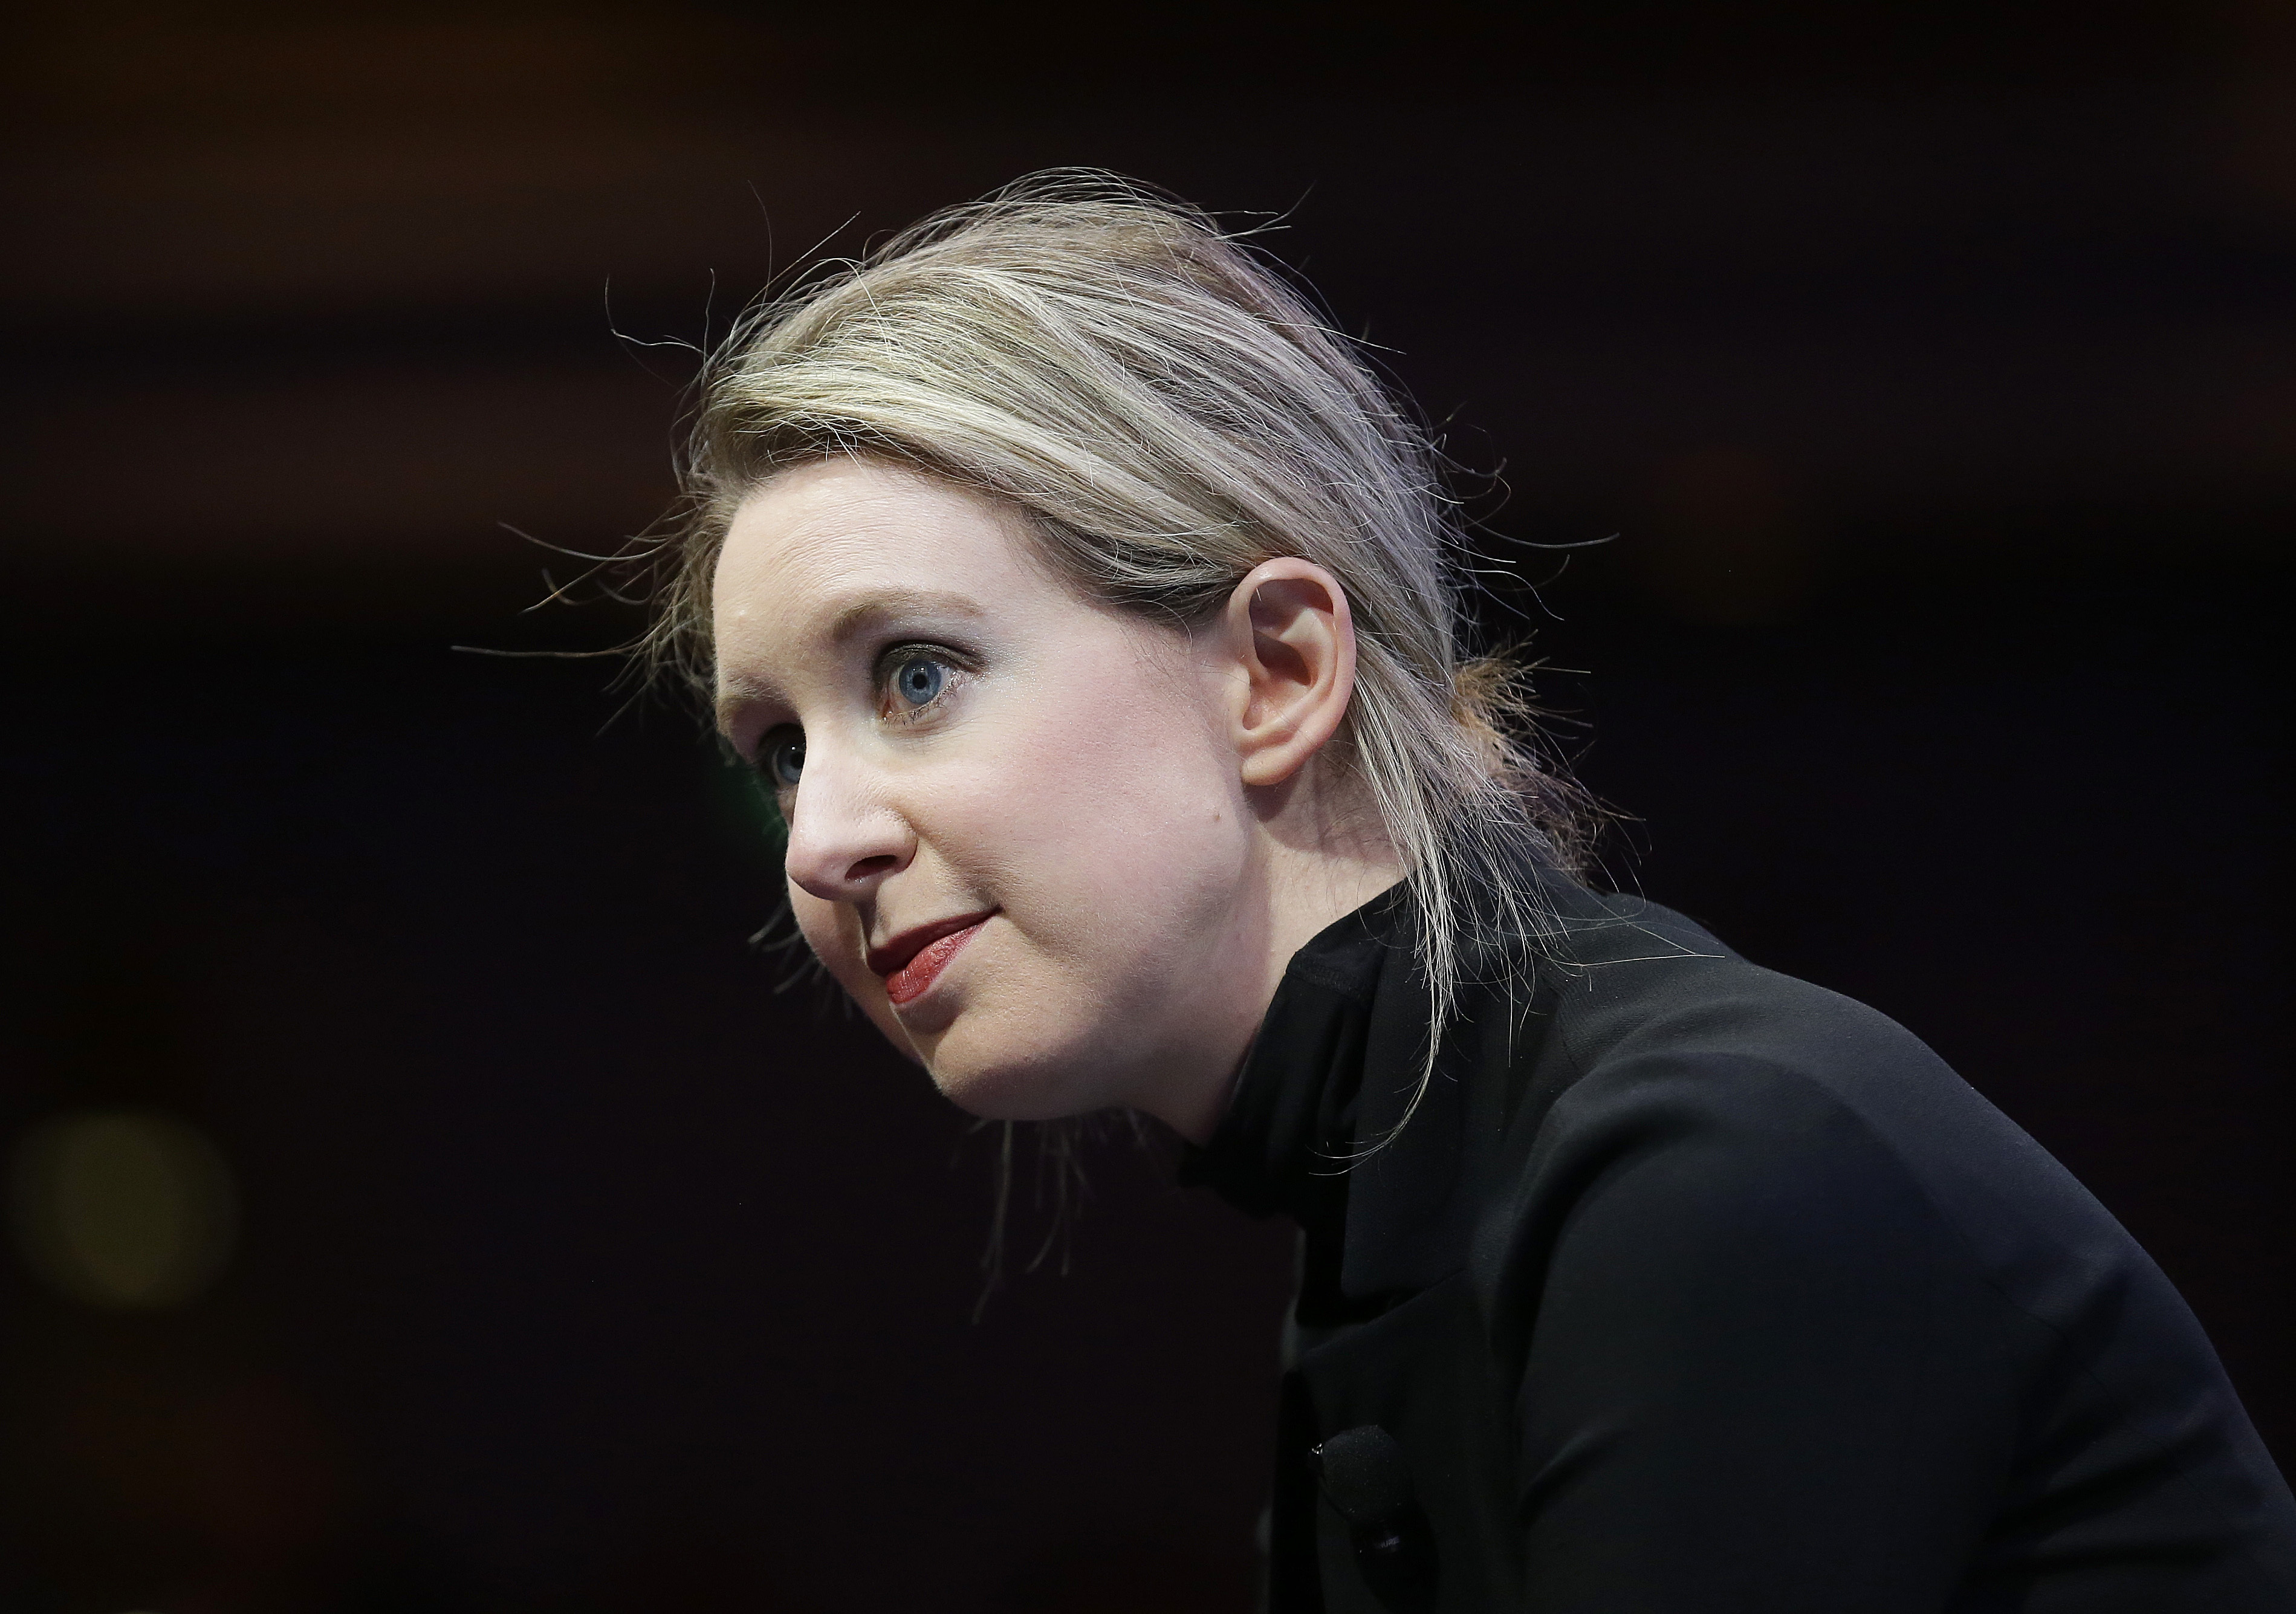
(1017,831)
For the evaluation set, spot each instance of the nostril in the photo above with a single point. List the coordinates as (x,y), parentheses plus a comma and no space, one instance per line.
(883,863)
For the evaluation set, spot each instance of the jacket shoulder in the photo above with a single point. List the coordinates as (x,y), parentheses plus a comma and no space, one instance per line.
(1657,1034)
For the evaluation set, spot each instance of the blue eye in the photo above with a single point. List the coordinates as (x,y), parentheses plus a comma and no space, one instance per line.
(920,679)
(783,757)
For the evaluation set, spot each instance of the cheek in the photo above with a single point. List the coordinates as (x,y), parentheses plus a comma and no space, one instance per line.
(833,930)
(1089,811)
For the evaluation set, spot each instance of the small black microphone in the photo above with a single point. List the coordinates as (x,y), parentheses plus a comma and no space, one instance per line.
(1366,1478)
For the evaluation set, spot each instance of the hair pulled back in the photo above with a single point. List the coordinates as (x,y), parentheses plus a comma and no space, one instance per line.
(1168,412)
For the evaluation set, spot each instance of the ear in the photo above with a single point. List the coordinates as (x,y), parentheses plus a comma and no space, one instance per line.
(1294,644)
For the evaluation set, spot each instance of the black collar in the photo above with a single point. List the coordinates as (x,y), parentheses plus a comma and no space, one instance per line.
(1291,1126)
(1312,1130)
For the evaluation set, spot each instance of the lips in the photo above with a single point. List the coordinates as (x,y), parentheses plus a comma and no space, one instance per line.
(911,961)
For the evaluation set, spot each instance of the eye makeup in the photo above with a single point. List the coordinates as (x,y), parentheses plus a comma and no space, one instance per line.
(915,677)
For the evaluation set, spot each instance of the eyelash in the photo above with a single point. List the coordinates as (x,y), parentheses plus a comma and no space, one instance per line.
(889,664)
(897,659)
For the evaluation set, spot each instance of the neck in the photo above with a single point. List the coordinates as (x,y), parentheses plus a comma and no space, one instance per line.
(1315,869)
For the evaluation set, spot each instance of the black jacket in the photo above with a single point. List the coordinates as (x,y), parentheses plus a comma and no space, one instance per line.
(1693,1287)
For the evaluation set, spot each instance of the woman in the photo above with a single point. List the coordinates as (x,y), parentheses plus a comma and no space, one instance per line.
(1086,604)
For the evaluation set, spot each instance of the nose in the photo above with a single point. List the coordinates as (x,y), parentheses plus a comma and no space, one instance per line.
(845,837)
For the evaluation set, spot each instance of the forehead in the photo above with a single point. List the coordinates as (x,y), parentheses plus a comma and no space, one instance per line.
(821,552)
(827,531)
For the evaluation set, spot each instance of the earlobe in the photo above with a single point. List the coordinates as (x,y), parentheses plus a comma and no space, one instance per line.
(1294,641)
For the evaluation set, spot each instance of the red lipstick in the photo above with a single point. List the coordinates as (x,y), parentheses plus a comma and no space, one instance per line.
(913,960)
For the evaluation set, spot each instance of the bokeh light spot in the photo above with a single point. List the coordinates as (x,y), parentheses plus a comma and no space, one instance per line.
(124,1209)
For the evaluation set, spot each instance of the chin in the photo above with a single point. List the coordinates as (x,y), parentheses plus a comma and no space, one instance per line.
(1012,1087)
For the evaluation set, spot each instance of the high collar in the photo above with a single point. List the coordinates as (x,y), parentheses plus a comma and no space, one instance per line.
(1317,1127)
(1292,1125)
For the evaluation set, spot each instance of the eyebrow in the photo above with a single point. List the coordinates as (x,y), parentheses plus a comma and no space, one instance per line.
(850,619)
(856,615)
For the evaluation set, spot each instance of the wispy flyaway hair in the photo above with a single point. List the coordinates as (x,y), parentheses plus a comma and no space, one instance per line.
(1168,412)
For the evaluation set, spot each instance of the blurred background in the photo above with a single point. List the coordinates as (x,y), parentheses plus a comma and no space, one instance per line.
(418,1197)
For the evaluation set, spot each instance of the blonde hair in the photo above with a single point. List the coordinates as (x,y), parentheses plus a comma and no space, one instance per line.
(1169,412)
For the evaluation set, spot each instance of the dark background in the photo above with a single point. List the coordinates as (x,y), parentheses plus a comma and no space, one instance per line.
(1933,366)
